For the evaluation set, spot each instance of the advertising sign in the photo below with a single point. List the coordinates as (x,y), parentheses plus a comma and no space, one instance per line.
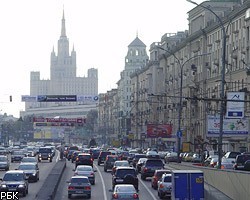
(60,98)
(159,130)
(235,104)
(231,127)
(56,98)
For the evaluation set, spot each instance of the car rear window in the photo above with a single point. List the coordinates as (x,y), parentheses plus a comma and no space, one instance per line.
(154,163)
(122,172)
(104,154)
(167,179)
(243,158)
(85,156)
(79,180)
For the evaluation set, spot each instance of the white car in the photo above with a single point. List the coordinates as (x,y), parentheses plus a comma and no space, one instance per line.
(86,170)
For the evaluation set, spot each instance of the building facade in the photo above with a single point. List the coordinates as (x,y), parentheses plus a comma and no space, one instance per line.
(63,81)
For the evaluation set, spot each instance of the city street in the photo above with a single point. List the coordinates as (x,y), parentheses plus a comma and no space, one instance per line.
(102,188)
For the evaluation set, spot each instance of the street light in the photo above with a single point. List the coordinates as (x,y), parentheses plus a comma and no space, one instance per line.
(222,96)
(181,65)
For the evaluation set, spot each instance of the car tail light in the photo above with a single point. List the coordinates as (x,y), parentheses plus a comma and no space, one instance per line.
(87,188)
(161,186)
(92,174)
(77,159)
(71,188)
(145,169)
(135,196)
(115,196)
(91,159)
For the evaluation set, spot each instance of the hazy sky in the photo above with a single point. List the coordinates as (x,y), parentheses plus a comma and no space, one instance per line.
(100,31)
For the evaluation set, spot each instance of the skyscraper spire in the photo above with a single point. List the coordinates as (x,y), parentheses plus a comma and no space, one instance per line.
(63,28)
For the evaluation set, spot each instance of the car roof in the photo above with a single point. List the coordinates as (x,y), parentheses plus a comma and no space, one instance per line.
(124,167)
(76,177)
(27,163)
(14,172)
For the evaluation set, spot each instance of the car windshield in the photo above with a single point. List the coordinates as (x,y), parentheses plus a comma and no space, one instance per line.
(122,172)
(13,177)
(243,158)
(45,150)
(3,158)
(18,153)
(79,180)
(26,167)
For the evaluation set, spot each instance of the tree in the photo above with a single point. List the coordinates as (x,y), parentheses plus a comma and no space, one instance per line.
(91,120)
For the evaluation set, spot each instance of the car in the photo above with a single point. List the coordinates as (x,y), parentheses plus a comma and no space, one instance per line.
(4,163)
(162,154)
(152,154)
(74,155)
(137,157)
(102,156)
(149,167)
(247,165)
(226,163)
(86,170)
(197,158)
(208,160)
(240,161)
(157,176)
(17,155)
(171,157)
(95,152)
(119,163)
(109,162)
(45,153)
(125,192)
(79,185)
(139,164)
(30,160)
(213,162)
(84,159)
(15,181)
(230,156)
(31,171)
(165,186)
(70,153)
(125,175)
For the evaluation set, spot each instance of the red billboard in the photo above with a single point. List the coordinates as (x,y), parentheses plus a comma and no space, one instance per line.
(159,130)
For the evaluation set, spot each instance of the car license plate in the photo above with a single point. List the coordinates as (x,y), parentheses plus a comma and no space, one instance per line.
(12,189)
(79,192)
(119,180)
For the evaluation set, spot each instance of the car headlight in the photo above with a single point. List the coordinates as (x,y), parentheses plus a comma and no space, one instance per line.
(3,186)
(21,186)
(39,155)
(33,174)
(49,155)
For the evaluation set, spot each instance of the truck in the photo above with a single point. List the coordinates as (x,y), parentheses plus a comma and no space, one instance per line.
(187,185)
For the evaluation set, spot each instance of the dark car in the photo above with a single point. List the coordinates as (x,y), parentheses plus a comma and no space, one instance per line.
(109,162)
(70,153)
(4,162)
(84,159)
(148,169)
(31,171)
(136,158)
(125,175)
(15,181)
(17,155)
(240,161)
(157,175)
(247,165)
(102,156)
(45,153)
(95,152)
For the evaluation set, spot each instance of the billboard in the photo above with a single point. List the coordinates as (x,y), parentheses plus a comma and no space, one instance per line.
(231,127)
(60,98)
(159,130)
(235,104)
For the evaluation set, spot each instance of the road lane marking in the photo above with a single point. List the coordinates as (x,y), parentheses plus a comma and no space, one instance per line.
(103,184)
(146,187)
(57,158)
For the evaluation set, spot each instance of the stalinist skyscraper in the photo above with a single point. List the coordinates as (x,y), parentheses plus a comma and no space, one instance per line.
(63,81)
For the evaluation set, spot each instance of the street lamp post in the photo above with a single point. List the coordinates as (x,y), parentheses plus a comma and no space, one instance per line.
(222,95)
(181,65)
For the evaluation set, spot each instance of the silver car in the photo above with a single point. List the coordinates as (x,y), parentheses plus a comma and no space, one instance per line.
(165,186)
(4,162)
(125,192)
(86,170)
(79,185)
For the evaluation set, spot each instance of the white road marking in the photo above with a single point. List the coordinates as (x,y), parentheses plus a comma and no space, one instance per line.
(152,195)
(58,154)
(103,183)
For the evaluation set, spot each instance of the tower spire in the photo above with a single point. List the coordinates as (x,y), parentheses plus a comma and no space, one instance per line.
(63,28)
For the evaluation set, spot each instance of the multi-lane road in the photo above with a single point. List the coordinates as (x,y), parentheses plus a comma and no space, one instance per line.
(102,188)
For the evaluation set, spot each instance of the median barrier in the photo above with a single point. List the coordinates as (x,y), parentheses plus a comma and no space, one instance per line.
(50,185)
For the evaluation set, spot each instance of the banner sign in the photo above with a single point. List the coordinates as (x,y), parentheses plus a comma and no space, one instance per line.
(235,109)
(60,98)
(58,121)
(159,130)
(231,127)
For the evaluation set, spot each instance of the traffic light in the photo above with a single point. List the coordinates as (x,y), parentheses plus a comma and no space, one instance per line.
(10,98)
